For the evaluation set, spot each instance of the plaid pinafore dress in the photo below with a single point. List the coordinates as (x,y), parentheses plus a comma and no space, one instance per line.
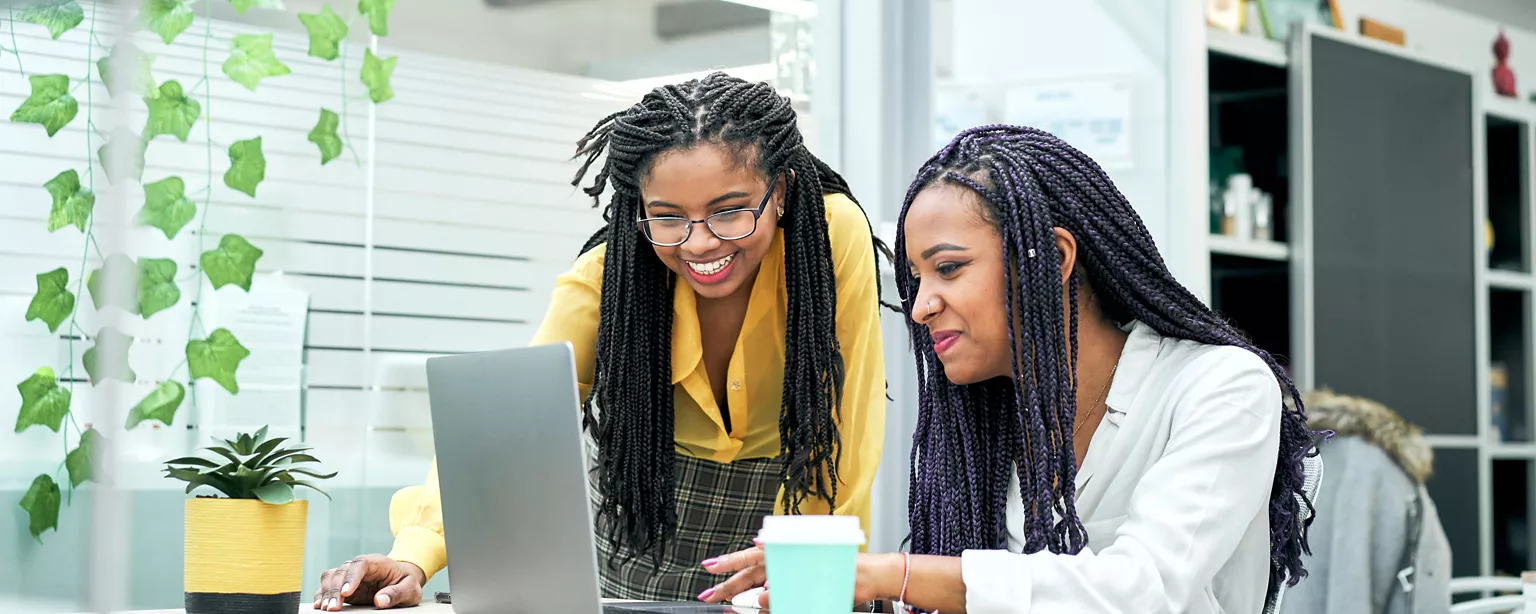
(720,507)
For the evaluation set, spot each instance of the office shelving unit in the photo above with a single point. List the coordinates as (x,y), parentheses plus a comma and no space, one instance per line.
(1507,451)
(1261,98)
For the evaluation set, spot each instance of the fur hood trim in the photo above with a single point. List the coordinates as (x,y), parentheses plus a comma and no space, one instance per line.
(1347,415)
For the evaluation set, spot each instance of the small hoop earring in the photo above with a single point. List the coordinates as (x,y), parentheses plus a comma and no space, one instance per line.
(781,212)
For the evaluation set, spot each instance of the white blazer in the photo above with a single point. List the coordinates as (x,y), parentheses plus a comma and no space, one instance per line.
(1174,494)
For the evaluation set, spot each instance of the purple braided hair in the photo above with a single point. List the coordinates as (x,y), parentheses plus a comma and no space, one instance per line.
(971,439)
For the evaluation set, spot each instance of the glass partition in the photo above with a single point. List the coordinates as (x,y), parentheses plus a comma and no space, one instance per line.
(286,213)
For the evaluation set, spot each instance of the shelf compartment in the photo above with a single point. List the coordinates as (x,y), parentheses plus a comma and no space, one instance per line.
(1509,328)
(1255,296)
(1249,114)
(1508,192)
(1512,539)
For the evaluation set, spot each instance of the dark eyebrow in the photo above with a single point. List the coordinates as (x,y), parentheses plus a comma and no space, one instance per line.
(718,199)
(942,247)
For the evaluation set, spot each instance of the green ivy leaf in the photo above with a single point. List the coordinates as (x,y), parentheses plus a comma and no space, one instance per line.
(144,81)
(43,401)
(50,104)
(251,60)
(80,461)
(217,358)
(71,204)
(324,136)
(53,302)
(157,285)
(122,137)
(42,505)
(241,6)
(326,31)
(378,15)
(120,267)
(234,262)
(158,405)
(153,289)
(247,166)
(108,359)
(171,112)
(168,18)
(376,75)
(58,17)
(166,206)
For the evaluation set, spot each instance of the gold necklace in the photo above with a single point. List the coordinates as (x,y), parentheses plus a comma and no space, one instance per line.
(1102,395)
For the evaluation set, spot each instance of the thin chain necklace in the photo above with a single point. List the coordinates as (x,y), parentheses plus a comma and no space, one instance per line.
(1102,395)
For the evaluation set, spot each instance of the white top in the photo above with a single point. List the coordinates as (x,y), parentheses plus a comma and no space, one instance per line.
(1174,494)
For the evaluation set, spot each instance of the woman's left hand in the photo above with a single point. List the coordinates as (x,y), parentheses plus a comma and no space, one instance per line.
(878,577)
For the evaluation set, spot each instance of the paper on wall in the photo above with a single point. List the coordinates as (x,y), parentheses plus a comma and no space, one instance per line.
(1092,115)
(272,322)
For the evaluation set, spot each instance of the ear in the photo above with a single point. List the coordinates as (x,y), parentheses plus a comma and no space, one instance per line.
(781,190)
(1066,245)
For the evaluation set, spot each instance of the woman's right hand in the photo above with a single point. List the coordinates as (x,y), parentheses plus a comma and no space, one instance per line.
(370,579)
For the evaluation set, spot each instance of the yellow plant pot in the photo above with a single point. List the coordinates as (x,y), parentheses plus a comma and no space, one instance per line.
(244,556)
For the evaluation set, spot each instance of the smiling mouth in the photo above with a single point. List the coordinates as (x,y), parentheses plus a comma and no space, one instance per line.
(712,272)
(712,267)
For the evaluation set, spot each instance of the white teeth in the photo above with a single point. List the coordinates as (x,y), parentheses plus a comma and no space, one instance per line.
(710,268)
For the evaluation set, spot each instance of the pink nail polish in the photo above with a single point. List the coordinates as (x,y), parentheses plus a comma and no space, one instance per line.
(711,562)
(707,595)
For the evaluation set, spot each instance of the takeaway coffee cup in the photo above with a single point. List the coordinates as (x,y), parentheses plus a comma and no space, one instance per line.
(811,562)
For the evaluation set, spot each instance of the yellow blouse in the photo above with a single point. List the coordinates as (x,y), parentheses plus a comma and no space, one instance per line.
(756,377)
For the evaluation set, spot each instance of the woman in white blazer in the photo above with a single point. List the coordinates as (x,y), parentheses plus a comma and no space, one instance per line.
(1090,437)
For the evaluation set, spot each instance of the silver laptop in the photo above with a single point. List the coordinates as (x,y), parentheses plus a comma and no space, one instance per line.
(513,474)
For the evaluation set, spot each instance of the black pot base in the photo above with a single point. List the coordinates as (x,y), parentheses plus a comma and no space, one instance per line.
(241,603)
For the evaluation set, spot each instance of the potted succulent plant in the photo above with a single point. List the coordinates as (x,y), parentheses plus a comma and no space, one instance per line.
(245,546)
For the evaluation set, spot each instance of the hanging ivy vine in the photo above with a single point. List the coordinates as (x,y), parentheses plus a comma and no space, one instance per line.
(173,111)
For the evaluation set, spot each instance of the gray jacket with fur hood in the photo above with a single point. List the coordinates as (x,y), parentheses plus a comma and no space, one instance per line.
(1372,514)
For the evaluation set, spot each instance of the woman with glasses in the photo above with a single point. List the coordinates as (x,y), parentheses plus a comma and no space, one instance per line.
(727,339)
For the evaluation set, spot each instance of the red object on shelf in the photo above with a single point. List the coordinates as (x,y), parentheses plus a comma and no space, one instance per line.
(1503,77)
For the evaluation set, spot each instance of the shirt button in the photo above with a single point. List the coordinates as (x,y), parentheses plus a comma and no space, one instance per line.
(735,384)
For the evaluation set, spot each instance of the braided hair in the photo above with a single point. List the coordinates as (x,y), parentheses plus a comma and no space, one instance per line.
(972,438)
(630,408)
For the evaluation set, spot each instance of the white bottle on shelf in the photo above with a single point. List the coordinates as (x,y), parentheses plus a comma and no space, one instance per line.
(1239,200)
(1263,218)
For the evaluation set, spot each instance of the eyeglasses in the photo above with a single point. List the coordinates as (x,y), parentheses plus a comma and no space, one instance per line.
(733,225)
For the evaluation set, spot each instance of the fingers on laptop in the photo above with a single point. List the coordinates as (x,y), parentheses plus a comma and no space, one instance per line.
(747,569)
(744,580)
